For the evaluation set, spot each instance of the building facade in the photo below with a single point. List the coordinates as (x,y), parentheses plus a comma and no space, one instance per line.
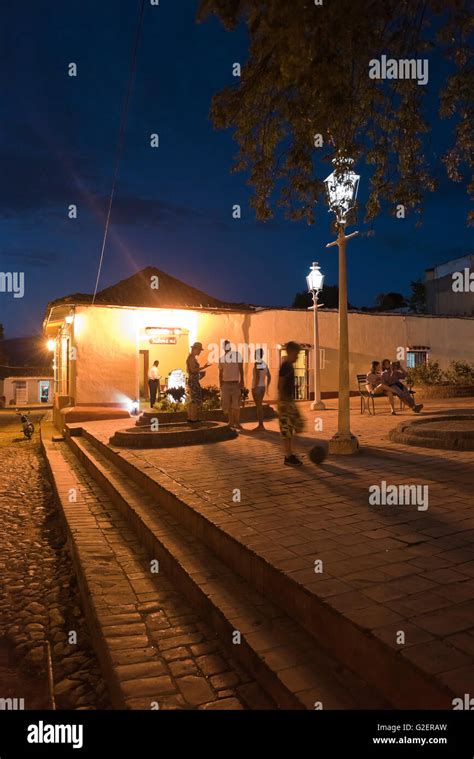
(20,386)
(102,351)
(450,287)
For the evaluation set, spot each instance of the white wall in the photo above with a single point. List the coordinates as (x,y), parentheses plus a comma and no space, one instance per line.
(107,342)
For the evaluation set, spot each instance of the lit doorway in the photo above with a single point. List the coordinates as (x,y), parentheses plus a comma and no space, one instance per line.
(301,367)
(44,387)
(167,345)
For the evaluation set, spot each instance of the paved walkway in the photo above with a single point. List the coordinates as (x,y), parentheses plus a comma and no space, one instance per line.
(387,568)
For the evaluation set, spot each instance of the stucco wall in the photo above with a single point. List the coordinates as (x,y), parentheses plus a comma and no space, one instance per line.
(107,341)
(106,366)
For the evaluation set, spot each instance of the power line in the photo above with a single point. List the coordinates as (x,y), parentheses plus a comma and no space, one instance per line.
(121,138)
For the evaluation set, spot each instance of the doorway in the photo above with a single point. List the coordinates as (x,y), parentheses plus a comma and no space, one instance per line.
(301,367)
(144,366)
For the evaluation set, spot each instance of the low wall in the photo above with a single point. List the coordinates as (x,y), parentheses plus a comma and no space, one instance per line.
(431,392)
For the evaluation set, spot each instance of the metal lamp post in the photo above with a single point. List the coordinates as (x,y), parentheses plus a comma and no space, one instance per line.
(341,187)
(315,281)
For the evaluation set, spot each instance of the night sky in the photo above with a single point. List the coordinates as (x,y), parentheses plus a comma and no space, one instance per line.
(173,204)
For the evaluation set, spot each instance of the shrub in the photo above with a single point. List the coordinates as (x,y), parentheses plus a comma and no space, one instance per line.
(166,405)
(211,397)
(460,373)
(177,393)
(426,374)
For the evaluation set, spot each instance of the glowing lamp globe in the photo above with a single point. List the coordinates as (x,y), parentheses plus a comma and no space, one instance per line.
(51,345)
(341,188)
(315,279)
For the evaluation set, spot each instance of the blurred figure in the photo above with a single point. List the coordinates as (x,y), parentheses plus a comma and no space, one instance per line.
(290,418)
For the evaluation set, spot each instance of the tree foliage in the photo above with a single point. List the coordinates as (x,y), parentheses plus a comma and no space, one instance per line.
(389,301)
(329,297)
(417,299)
(308,74)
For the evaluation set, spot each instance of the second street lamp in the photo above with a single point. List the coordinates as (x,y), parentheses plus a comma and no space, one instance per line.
(315,280)
(341,187)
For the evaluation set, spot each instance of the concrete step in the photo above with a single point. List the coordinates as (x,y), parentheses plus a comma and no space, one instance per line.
(283,658)
(154,651)
(402,682)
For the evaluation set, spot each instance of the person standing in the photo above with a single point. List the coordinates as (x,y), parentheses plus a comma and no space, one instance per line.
(231,380)
(261,379)
(290,418)
(195,374)
(153,382)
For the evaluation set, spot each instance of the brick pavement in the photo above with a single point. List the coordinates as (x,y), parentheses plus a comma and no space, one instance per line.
(154,649)
(385,568)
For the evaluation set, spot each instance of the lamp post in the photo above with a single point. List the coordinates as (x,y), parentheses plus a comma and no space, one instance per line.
(315,281)
(341,187)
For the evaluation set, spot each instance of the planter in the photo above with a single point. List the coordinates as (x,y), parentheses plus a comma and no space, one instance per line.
(172,435)
(452,433)
(248,413)
(431,392)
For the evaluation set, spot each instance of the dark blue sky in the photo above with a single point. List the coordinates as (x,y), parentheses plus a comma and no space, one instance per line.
(173,205)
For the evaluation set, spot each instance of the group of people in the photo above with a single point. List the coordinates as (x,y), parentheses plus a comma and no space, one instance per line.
(231,380)
(386,379)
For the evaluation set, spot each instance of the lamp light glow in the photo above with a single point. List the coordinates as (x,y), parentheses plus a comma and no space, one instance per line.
(315,278)
(51,345)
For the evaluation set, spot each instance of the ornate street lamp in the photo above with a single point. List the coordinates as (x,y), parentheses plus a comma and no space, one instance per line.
(315,280)
(341,187)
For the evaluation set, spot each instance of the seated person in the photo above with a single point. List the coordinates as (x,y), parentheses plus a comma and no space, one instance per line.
(375,386)
(392,375)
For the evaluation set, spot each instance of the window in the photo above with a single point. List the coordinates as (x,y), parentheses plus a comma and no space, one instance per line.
(416,356)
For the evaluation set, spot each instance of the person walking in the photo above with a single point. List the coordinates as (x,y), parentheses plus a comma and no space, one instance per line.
(231,380)
(153,383)
(195,374)
(290,418)
(261,379)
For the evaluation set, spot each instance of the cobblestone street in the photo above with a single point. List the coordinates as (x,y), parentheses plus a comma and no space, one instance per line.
(40,602)
(38,595)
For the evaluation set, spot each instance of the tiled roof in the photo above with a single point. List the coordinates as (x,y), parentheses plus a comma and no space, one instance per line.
(137,291)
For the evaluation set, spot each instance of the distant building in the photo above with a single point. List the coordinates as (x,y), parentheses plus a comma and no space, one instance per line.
(103,350)
(450,287)
(26,376)
(25,386)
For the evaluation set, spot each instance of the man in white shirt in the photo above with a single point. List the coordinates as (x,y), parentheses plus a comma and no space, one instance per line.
(231,379)
(153,382)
